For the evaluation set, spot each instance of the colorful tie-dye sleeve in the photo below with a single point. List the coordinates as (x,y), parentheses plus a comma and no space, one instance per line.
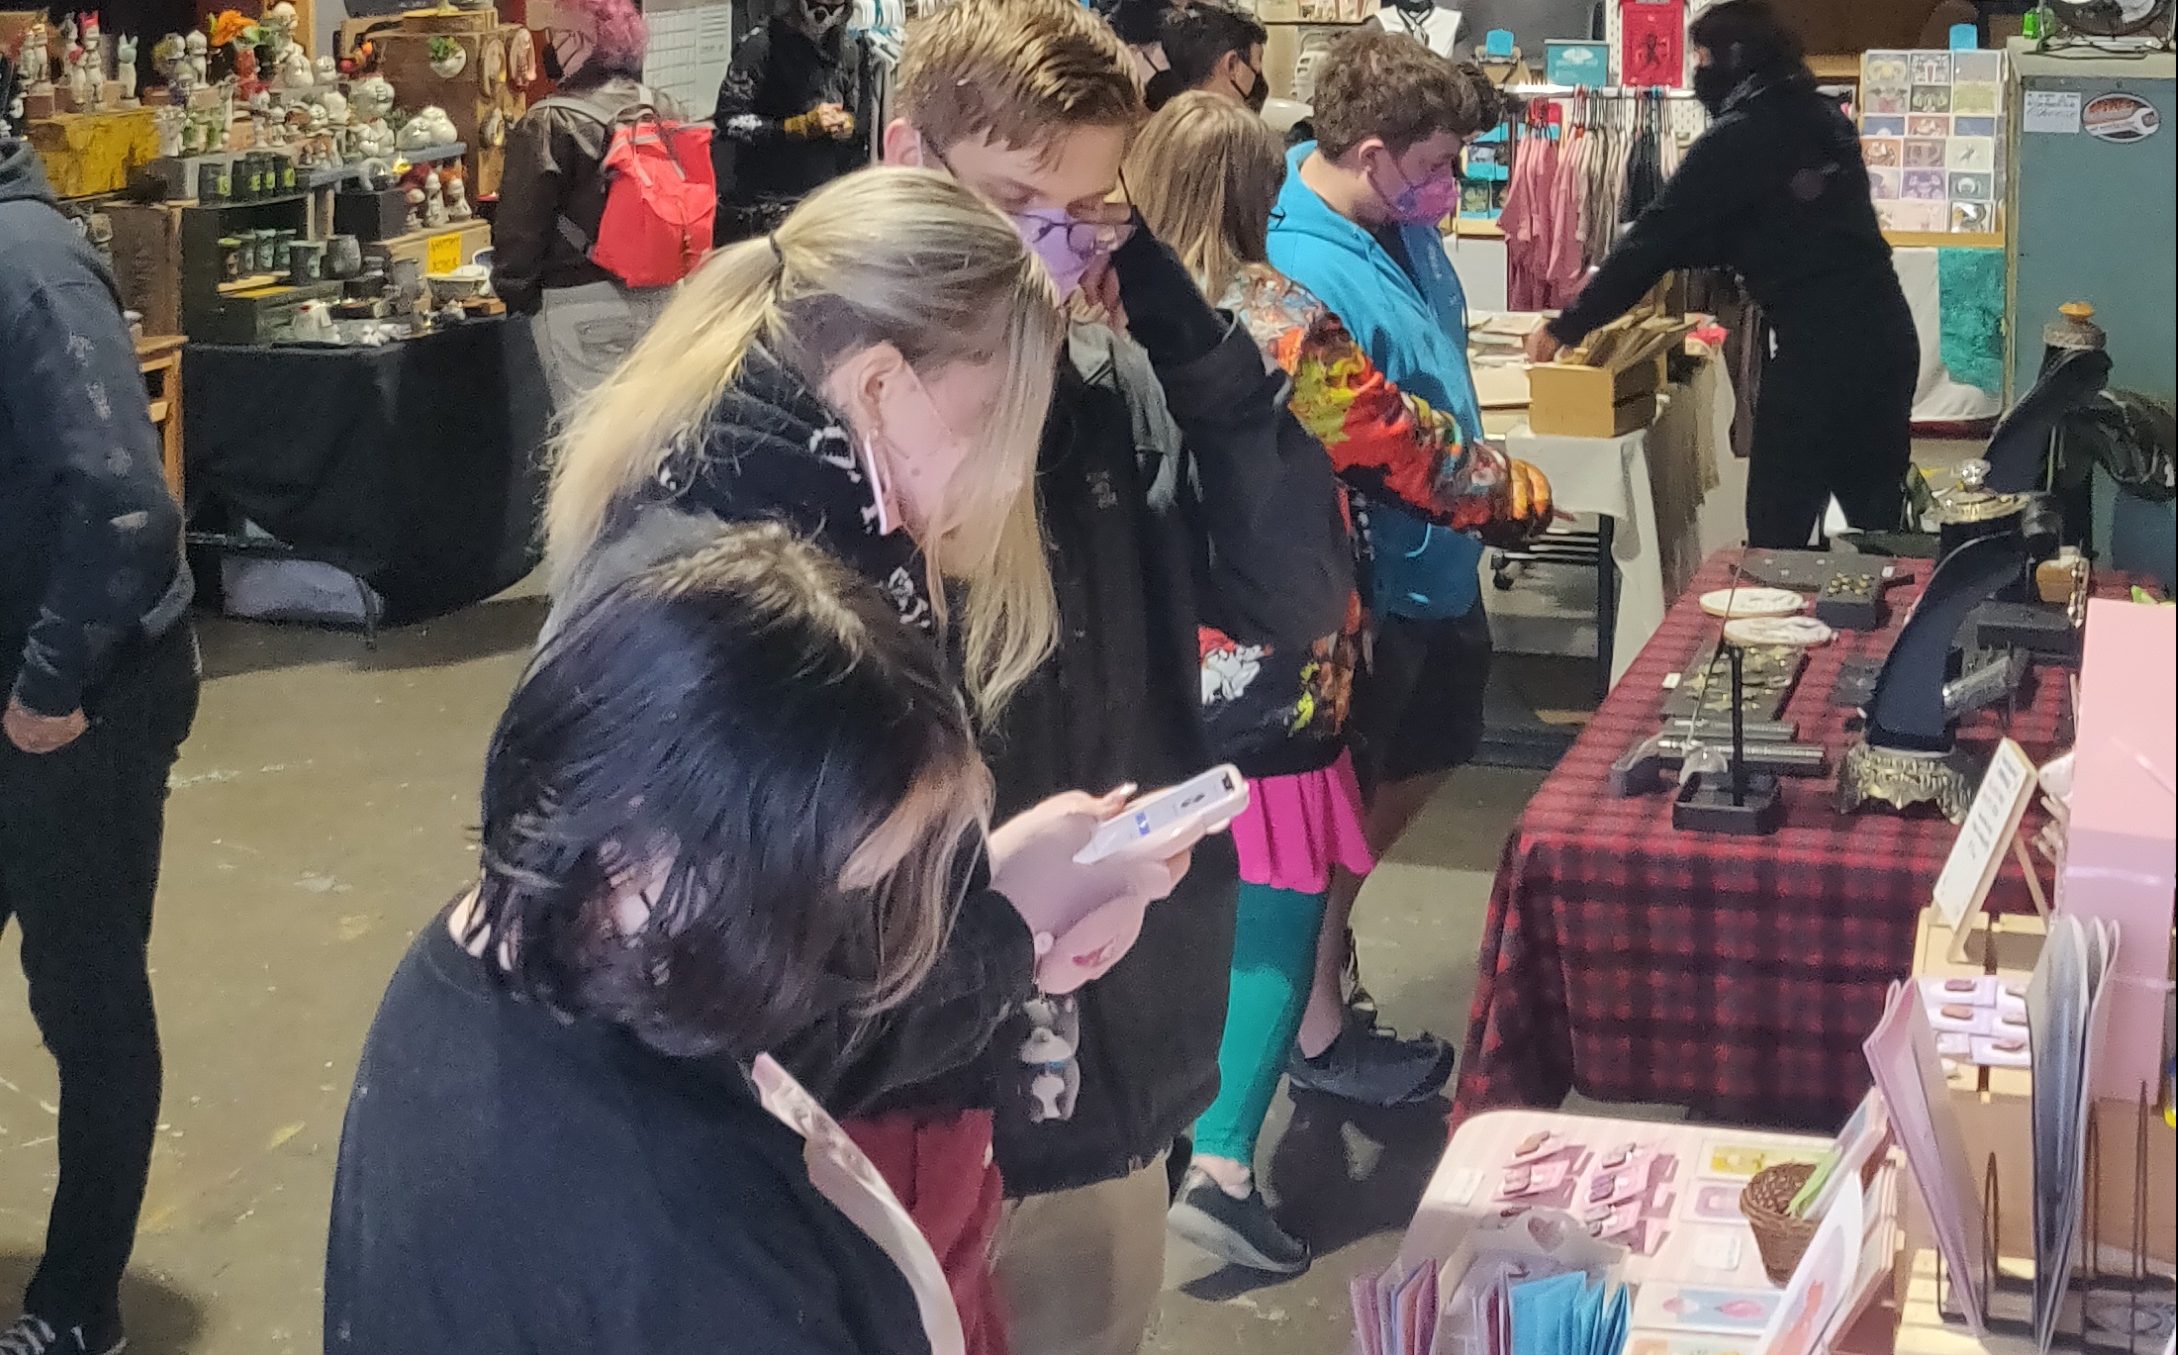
(1390,445)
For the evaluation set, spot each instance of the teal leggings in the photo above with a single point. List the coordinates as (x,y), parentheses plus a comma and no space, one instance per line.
(1274,965)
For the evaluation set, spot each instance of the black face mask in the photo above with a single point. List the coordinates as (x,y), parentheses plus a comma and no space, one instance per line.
(1256,94)
(1713,84)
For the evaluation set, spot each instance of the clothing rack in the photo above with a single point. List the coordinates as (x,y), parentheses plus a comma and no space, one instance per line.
(1584,163)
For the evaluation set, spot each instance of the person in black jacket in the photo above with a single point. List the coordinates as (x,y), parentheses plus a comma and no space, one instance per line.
(1776,190)
(881,392)
(1176,490)
(1211,47)
(584,320)
(794,113)
(555,1144)
(100,674)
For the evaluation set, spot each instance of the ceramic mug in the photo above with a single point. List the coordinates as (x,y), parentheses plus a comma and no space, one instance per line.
(305,262)
(214,181)
(230,257)
(343,257)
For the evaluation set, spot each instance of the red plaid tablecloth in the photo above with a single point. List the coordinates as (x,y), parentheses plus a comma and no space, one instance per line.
(1735,976)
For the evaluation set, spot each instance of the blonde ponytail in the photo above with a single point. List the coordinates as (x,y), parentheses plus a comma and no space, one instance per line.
(880,256)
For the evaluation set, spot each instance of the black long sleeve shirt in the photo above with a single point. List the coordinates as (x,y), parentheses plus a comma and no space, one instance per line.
(1775,190)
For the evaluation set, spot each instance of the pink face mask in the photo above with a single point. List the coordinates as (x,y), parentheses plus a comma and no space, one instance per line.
(1421,204)
(1068,246)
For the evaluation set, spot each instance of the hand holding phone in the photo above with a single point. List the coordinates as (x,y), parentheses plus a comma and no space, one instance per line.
(1169,820)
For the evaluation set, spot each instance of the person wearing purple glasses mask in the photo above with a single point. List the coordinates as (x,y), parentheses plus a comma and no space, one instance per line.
(1175,489)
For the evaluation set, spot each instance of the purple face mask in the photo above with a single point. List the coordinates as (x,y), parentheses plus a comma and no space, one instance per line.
(1068,246)
(1421,204)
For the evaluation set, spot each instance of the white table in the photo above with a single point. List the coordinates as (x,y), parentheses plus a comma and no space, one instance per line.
(1658,491)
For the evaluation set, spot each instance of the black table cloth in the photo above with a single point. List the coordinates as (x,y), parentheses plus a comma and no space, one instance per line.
(414,465)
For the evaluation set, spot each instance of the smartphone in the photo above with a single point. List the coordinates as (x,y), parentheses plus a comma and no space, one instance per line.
(1156,821)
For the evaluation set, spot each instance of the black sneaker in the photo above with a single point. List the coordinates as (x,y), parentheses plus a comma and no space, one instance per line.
(1371,1065)
(1238,1232)
(33,1335)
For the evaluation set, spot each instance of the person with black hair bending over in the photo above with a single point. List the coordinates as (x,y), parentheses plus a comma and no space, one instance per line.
(1776,190)
(728,798)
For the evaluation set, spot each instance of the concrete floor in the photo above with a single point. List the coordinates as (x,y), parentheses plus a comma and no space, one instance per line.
(324,809)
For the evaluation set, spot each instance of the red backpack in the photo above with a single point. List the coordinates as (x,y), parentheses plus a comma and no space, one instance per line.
(661,195)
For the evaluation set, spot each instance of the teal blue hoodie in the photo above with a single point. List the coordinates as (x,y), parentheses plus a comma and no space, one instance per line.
(1417,336)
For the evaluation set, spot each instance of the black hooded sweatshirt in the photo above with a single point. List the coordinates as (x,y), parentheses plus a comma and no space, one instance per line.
(780,72)
(1775,190)
(90,539)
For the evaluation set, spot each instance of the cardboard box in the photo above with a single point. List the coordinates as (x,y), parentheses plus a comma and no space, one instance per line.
(1565,400)
(439,251)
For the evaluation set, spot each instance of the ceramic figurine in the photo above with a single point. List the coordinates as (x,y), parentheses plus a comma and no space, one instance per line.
(369,100)
(327,72)
(457,193)
(415,210)
(37,59)
(124,57)
(279,26)
(434,200)
(293,72)
(196,53)
(79,79)
(93,64)
(430,127)
(167,122)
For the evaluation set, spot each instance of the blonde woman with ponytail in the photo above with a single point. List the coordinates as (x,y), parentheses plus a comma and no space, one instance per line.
(875,375)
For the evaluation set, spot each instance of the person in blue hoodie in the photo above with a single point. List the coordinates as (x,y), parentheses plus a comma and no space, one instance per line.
(100,675)
(1357,225)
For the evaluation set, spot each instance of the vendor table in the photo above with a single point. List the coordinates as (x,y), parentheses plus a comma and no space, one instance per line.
(411,465)
(1648,487)
(1736,976)
(1691,1236)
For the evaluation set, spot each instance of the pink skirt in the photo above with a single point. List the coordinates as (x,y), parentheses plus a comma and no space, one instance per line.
(1297,828)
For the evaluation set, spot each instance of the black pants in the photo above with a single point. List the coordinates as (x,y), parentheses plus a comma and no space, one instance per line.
(79,862)
(1834,418)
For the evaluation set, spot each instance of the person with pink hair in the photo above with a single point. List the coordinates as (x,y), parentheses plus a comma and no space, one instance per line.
(552,198)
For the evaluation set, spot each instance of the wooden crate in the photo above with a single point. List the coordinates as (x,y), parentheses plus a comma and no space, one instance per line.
(159,358)
(147,262)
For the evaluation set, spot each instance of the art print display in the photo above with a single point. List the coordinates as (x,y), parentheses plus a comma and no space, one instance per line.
(1922,112)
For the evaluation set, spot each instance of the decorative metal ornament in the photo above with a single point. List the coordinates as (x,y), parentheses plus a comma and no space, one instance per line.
(1903,778)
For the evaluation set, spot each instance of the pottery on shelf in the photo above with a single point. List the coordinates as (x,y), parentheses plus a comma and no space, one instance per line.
(343,257)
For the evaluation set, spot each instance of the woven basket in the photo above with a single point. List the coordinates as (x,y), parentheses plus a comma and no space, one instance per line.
(1781,1238)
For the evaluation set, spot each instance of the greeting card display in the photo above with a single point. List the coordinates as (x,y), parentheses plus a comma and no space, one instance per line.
(1931,129)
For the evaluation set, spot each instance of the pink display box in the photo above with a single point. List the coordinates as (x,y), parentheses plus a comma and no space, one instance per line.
(2121,859)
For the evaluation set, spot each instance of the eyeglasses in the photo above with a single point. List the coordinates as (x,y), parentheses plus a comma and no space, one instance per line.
(1085,238)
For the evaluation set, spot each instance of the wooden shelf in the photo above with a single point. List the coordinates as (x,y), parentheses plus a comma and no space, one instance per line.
(1945,239)
(251,283)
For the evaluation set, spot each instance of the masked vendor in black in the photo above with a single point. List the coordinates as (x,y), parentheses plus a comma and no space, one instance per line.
(1776,190)
(795,112)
